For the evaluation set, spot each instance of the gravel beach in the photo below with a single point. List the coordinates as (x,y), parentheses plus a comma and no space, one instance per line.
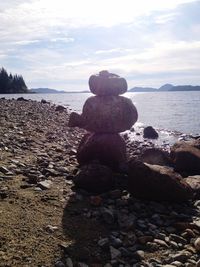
(45,221)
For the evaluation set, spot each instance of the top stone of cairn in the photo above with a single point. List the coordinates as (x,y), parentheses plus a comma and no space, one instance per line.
(106,83)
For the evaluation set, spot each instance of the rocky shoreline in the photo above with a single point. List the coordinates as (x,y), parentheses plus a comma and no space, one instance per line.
(45,221)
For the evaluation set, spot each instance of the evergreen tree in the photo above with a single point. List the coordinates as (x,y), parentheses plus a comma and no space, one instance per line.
(10,84)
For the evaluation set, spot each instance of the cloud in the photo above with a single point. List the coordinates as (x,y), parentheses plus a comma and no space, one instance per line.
(61,43)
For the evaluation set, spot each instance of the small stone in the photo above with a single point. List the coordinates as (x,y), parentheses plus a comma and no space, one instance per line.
(69,262)
(59,264)
(95,201)
(161,243)
(116,242)
(177,263)
(198,263)
(108,215)
(46,184)
(182,256)
(197,244)
(104,242)
(51,228)
(115,253)
(144,239)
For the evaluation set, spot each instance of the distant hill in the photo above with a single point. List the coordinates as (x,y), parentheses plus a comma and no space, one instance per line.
(165,88)
(45,91)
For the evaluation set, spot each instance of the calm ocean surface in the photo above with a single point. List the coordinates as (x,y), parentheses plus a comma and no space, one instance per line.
(173,111)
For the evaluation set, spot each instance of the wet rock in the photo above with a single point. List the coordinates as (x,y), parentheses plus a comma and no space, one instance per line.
(156,182)
(106,83)
(186,158)
(106,114)
(108,149)
(94,178)
(150,132)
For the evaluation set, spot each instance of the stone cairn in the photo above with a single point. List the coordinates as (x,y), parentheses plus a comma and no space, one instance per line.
(104,116)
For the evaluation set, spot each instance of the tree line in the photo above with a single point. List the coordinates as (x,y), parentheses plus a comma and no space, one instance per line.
(11,84)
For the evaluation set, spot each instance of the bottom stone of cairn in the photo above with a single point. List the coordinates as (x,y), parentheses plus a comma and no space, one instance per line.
(108,149)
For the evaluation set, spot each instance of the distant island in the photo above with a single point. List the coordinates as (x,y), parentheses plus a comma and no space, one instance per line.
(166,88)
(45,91)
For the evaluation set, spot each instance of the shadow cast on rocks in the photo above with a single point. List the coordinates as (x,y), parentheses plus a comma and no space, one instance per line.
(83,231)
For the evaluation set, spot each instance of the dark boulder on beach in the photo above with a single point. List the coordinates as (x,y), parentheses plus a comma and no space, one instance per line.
(150,132)
(106,83)
(60,108)
(157,183)
(186,157)
(94,178)
(108,149)
(106,114)
(194,182)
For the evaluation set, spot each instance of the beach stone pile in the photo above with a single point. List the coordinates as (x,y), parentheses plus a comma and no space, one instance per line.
(104,116)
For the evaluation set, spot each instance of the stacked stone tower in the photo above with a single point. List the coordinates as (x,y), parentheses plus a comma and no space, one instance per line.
(104,116)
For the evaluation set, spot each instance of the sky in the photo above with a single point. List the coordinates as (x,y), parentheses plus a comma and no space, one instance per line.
(59,44)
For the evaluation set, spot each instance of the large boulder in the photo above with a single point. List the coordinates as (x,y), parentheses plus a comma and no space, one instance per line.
(106,83)
(155,156)
(108,149)
(94,178)
(186,157)
(106,114)
(194,182)
(158,183)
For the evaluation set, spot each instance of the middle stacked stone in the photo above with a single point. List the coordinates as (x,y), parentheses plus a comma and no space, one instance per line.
(105,115)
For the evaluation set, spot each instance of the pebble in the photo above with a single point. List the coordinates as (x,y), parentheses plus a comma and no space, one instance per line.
(115,253)
(108,215)
(44,185)
(198,263)
(104,242)
(197,244)
(69,262)
(59,264)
